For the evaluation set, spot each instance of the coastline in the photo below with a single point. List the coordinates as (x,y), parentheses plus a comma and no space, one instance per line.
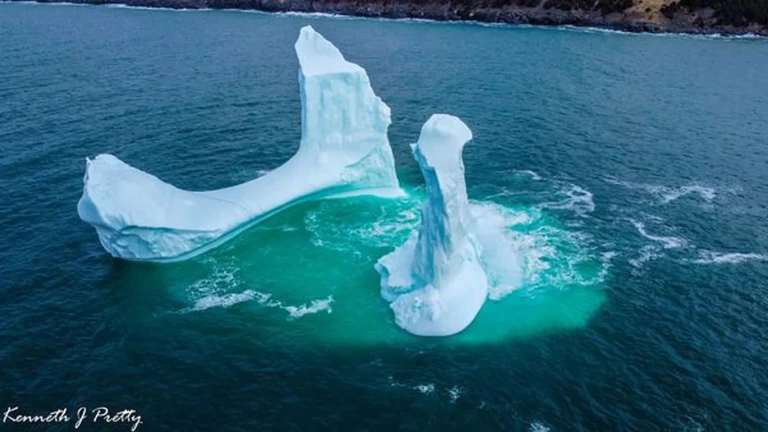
(508,15)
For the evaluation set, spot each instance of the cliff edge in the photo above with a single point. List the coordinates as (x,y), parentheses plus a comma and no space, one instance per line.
(729,17)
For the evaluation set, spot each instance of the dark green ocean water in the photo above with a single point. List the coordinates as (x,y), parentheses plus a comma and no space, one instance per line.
(631,171)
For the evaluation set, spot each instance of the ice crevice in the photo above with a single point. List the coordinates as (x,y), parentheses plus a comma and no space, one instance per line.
(344,150)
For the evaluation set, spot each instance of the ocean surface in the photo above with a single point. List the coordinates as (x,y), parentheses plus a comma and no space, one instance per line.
(629,171)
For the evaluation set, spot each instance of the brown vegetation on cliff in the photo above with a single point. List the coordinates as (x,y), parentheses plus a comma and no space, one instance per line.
(738,13)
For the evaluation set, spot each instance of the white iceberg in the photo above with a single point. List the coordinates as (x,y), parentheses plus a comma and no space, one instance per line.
(344,151)
(436,282)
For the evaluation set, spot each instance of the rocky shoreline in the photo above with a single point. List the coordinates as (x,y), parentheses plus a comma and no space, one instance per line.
(637,16)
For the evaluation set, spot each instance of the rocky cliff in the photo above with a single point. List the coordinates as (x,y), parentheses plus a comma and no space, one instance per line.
(689,16)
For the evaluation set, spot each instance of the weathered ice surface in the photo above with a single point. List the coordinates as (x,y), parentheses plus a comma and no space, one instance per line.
(344,150)
(436,282)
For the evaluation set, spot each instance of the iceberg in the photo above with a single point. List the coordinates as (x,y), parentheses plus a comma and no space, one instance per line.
(435,282)
(344,150)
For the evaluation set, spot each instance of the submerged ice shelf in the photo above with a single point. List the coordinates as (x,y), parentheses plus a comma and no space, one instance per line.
(344,150)
(436,282)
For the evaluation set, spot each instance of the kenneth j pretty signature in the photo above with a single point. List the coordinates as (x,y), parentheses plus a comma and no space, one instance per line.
(100,415)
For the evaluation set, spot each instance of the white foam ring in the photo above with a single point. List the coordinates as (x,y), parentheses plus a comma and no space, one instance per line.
(504,233)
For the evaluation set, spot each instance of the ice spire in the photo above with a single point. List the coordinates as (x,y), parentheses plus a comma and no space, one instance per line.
(435,281)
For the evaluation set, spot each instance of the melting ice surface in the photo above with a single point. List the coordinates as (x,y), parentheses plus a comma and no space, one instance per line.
(344,146)
(438,280)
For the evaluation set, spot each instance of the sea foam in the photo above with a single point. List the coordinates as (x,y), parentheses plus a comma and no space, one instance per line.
(577,199)
(710,257)
(667,194)
(667,242)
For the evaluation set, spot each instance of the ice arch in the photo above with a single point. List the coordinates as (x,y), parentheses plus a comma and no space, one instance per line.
(344,150)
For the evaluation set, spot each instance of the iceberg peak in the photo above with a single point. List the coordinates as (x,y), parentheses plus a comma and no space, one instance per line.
(318,56)
(442,140)
(344,150)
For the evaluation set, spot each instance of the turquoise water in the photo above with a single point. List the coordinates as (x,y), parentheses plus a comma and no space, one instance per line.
(630,171)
